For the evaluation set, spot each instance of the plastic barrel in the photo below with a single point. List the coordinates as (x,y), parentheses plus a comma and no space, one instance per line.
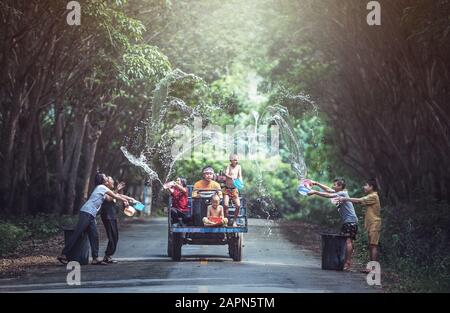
(80,251)
(333,252)
(199,210)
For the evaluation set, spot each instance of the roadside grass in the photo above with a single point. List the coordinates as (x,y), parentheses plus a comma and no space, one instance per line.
(16,230)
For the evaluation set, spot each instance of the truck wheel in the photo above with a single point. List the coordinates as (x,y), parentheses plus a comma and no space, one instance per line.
(237,251)
(177,239)
(231,247)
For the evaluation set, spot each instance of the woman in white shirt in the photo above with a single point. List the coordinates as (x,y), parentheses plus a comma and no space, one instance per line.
(87,222)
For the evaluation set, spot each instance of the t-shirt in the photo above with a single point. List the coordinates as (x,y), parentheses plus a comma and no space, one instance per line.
(373,217)
(92,206)
(179,200)
(108,210)
(204,184)
(346,209)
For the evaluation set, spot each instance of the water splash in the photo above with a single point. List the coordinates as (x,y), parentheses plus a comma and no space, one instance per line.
(157,146)
(142,163)
(291,143)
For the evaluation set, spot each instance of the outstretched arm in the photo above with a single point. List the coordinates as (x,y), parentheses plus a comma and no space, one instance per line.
(119,197)
(352,200)
(323,194)
(323,187)
(128,198)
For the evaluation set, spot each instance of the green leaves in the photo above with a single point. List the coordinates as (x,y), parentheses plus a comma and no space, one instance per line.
(143,63)
(108,23)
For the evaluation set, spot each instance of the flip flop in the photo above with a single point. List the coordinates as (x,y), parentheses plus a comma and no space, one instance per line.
(62,260)
(109,261)
(99,263)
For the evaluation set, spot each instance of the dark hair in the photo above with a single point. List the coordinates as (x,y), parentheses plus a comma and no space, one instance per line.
(183,181)
(340,182)
(372,182)
(99,178)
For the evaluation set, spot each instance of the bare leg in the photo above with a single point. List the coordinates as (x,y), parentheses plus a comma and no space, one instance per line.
(373,252)
(348,253)
(226,201)
(237,205)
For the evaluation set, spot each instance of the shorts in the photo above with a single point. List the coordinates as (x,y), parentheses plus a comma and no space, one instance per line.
(231,192)
(349,230)
(373,231)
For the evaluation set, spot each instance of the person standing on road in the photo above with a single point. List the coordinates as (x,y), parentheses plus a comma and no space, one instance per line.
(87,222)
(346,210)
(109,219)
(372,219)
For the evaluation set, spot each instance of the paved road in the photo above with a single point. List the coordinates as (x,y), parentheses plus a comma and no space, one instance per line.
(270,264)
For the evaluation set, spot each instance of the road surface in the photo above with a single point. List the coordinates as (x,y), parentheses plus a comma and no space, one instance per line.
(270,264)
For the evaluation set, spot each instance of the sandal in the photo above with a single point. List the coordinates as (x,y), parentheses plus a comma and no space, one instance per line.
(98,262)
(63,259)
(109,260)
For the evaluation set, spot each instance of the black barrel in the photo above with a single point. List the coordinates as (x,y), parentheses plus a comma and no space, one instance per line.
(333,251)
(80,251)
(199,210)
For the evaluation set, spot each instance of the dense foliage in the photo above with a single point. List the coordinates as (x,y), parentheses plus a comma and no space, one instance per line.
(364,101)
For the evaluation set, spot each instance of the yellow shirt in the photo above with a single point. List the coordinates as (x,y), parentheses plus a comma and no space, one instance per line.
(372,220)
(204,184)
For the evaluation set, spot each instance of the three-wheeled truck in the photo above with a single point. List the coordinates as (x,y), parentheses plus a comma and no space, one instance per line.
(193,231)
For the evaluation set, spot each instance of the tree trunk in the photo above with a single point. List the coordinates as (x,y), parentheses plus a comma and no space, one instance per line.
(59,186)
(92,136)
(8,154)
(78,132)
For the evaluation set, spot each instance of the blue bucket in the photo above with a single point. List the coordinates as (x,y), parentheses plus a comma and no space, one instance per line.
(303,190)
(138,206)
(239,184)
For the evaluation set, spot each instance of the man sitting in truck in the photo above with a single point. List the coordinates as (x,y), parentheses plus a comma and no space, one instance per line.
(207,183)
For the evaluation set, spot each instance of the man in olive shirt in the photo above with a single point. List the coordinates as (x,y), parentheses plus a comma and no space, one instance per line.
(372,220)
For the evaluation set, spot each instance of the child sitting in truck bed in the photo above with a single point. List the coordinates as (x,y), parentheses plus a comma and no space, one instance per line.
(215,215)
